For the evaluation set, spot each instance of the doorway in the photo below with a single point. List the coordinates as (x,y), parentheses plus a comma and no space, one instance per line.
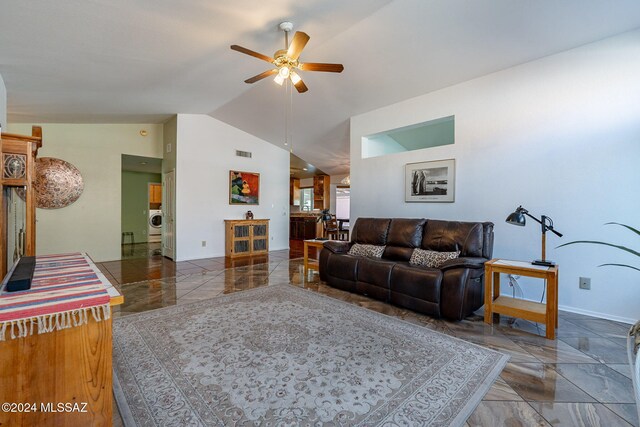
(141,208)
(169,231)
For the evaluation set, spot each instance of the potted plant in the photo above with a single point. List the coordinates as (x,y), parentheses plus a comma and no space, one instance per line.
(623,248)
(633,339)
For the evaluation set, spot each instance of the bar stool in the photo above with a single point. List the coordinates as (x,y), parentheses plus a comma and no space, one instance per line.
(129,234)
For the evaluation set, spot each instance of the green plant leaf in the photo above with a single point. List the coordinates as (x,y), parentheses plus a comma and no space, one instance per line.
(631,251)
(625,226)
(620,265)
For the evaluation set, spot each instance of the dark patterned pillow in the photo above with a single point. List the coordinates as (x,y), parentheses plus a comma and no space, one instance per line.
(371,251)
(433,259)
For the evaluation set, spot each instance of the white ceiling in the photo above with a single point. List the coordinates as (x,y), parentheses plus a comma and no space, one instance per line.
(85,61)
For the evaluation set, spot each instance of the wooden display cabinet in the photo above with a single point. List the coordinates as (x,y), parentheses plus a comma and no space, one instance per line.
(18,154)
(294,192)
(246,237)
(321,189)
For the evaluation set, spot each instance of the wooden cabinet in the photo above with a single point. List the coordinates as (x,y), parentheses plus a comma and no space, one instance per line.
(321,187)
(294,192)
(246,237)
(303,228)
(155,193)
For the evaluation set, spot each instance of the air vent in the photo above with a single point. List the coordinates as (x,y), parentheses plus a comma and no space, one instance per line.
(243,153)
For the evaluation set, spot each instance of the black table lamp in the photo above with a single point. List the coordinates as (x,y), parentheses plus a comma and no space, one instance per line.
(518,218)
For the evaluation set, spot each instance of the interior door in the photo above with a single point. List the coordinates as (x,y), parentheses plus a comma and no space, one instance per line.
(169,212)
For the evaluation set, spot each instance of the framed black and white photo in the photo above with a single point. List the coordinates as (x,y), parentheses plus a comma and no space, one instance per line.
(430,181)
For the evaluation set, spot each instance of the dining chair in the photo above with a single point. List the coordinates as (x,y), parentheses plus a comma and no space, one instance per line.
(332,231)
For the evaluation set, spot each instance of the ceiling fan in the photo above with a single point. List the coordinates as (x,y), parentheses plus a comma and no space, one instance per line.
(286,60)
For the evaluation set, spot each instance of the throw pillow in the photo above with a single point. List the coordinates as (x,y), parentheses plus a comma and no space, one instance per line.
(371,251)
(433,259)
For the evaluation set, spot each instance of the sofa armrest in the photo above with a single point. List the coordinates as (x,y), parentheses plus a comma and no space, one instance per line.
(464,262)
(337,247)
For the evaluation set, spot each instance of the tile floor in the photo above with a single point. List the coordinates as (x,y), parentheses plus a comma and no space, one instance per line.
(144,261)
(582,378)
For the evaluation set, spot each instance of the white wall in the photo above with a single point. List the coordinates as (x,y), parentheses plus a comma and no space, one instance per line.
(3,105)
(561,136)
(92,223)
(205,155)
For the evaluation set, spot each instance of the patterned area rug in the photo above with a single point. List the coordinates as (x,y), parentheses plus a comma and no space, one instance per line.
(282,355)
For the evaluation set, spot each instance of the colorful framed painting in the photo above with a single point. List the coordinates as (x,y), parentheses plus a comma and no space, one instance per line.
(244,188)
(430,181)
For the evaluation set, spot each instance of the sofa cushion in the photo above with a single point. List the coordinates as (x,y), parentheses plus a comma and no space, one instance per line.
(373,278)
(417,282)
(404,235)
(343,266)
(372,231)
(433,259)
(449,236)
(372,251)
(405,232)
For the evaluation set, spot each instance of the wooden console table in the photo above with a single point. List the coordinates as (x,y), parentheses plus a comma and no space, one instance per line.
(67,364)
(494,303)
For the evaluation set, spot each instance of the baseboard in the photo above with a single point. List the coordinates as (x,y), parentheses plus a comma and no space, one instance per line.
(599,315)
(620,319)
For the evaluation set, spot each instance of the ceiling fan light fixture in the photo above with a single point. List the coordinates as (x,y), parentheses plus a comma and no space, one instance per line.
(285,62)
(284,72)
(295,78)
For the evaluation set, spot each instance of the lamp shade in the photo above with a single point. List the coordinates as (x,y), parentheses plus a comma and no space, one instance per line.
(517,218)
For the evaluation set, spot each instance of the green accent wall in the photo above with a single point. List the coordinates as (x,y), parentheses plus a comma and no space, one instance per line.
(135,202)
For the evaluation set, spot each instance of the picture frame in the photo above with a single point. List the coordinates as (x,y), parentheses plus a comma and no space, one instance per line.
(430,182)
(244,188)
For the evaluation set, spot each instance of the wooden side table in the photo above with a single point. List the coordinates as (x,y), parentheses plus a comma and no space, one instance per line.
(311,263)
(546,313)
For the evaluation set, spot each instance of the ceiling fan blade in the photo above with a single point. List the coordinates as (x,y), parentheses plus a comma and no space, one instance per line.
(301,87)
(262,75)
(251,53)
(318,66)
(298,43)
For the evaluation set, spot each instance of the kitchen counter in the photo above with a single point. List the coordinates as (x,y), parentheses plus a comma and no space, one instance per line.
(305,214)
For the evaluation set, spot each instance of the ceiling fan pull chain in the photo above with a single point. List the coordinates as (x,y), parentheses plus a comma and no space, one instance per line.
(290,89)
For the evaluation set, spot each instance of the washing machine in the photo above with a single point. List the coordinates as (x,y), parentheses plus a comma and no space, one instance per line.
(155,226)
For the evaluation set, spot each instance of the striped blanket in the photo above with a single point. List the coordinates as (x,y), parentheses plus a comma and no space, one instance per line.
(64,291)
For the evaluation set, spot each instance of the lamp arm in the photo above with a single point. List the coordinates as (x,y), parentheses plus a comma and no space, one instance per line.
(545,226)
(535,219)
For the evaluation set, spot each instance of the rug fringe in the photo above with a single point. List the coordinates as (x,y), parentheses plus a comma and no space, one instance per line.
(53,322)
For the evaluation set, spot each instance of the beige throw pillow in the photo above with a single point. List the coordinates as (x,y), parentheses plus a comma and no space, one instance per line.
(371,251)
(433,259)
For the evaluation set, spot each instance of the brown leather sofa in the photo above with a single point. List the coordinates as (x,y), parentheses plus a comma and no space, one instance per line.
(454,291)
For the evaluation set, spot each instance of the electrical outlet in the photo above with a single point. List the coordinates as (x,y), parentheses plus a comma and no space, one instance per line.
(204,243)
(585,283)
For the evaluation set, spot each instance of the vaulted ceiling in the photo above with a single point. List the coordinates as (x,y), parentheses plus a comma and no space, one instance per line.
(112,61)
